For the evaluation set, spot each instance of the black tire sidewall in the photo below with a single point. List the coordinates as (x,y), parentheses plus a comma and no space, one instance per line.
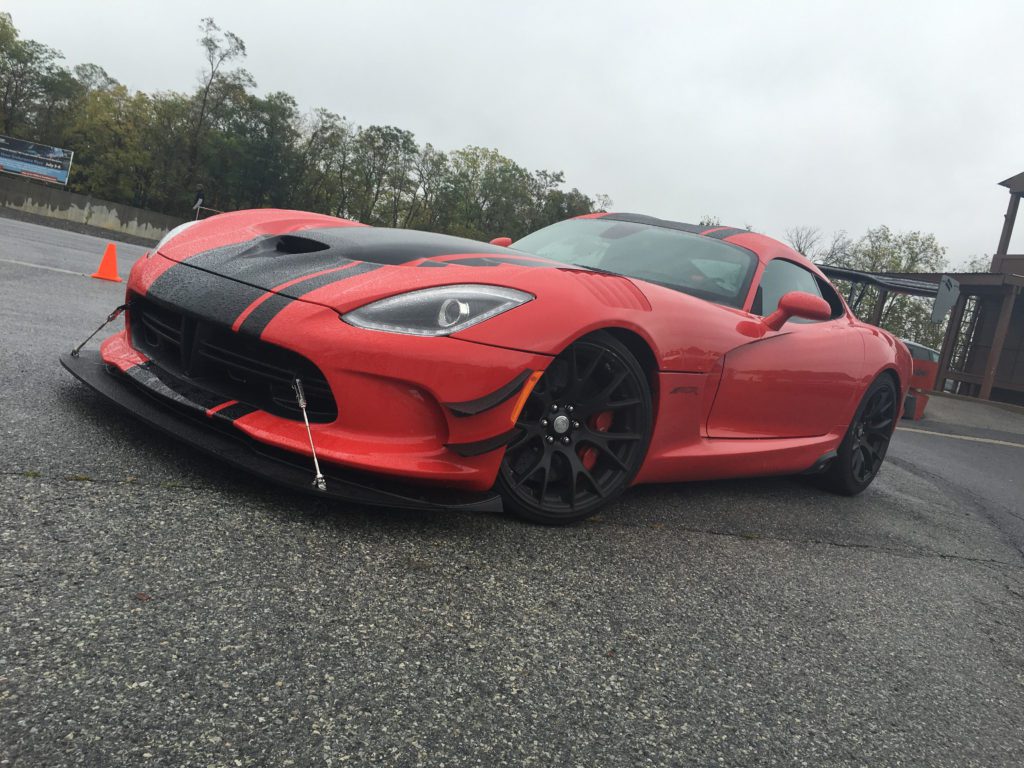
(839,476)
(533,512)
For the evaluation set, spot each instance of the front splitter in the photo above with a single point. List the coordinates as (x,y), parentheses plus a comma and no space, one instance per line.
(292,471)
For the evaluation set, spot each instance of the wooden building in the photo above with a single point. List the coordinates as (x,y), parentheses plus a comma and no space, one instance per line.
(983,351)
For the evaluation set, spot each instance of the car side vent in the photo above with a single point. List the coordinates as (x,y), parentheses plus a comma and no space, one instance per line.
(294,244)
(613,291)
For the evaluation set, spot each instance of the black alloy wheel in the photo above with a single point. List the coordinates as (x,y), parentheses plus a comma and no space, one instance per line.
(863,450)
(582,434)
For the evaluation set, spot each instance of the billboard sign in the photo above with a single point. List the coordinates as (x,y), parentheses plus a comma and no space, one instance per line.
(36,161)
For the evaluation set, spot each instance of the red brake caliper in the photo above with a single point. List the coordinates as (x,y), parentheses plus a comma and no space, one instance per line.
(599,422)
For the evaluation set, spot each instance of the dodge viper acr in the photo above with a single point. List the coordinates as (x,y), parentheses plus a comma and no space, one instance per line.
(417,370)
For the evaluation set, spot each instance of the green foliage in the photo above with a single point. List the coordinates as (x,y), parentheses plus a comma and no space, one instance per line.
(981,263)
(882,250)
(250,151)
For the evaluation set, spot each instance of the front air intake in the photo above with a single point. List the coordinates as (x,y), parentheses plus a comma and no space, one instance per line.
(216,359)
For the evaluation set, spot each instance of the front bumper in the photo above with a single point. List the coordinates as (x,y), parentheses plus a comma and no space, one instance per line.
(218,438)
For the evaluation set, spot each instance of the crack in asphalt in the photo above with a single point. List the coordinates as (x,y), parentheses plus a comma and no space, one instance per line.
(911,553)
(966,497)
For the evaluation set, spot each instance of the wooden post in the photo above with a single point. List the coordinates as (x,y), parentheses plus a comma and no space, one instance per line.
(956,318)
(876,311)
(1004,236)
(1002,325)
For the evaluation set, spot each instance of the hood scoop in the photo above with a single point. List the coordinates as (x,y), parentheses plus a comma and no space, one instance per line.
(295,244)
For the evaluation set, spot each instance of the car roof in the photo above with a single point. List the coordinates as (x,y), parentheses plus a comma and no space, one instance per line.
(763,246)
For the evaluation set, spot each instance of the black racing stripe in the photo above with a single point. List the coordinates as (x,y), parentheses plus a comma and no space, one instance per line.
(155,379)
(379,245)
(235,411)
(433,264)
(260,317)
(260,263)
(639,218)
(160,382)
(272,260)
(726,232)
(495,398)
(481,447)
(201,294)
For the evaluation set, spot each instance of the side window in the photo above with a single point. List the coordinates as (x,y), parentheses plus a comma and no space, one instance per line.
(828,293)
(779,278)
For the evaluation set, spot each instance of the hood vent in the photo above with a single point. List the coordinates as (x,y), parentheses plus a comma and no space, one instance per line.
(294,244)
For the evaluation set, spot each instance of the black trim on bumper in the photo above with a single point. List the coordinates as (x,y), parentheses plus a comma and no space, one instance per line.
(282,467)
(495,398)
(483,446)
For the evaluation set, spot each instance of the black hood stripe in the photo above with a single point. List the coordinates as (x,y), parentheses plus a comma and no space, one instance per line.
(201,294)
(260,317)
(272,260)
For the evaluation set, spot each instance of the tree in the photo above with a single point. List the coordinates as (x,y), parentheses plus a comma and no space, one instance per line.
(27,69)
(804,240)
(249,150)
(112,159)
(220,47)
(881,250)
(981,263)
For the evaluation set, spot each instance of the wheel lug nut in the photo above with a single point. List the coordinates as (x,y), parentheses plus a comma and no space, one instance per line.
(550,438)
(543,422)
(565,440)
(554,407)
(575,425)
(568,409)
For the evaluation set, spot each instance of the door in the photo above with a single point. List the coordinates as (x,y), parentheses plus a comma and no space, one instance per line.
(800,381)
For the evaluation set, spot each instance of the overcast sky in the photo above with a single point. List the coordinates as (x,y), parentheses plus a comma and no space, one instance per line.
(841,115)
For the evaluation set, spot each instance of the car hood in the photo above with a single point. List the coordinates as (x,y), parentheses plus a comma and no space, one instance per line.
(300,258)
(244,269)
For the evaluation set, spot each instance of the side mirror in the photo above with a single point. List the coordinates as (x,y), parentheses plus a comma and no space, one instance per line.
(504,242)
(798,304)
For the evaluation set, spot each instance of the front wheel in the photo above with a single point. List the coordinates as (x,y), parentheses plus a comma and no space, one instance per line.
(582,434)
(863,449)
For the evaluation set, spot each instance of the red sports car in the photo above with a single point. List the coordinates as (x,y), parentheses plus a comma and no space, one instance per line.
(419,370)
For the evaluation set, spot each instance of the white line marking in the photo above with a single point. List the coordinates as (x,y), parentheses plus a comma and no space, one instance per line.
(42,266)
(961,437)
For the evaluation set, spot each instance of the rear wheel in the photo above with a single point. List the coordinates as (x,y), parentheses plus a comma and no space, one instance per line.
(582,434)
(863,450)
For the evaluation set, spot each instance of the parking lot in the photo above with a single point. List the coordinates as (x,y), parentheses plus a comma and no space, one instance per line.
(158,608)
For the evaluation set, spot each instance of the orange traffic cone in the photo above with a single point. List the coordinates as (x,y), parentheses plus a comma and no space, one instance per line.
(108,266)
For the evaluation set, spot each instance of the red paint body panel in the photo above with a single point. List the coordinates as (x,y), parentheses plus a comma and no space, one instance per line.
(924,375)
(732,397)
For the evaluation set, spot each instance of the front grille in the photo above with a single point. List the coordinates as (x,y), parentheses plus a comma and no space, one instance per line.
(230,365)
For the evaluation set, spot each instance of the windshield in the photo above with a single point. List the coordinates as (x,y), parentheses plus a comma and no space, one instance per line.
(700,266)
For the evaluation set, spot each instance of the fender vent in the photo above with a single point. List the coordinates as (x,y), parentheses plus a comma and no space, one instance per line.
(613,291)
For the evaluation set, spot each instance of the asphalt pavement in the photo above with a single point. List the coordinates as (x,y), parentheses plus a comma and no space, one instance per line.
(157,608)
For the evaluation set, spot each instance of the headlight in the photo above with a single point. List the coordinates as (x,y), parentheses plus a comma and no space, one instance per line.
(172,234)
(436,311)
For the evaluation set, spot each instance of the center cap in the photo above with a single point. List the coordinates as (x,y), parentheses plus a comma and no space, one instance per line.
(561,424)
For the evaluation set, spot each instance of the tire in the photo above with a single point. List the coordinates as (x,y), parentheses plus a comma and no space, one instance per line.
(583,434)
(864,446)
